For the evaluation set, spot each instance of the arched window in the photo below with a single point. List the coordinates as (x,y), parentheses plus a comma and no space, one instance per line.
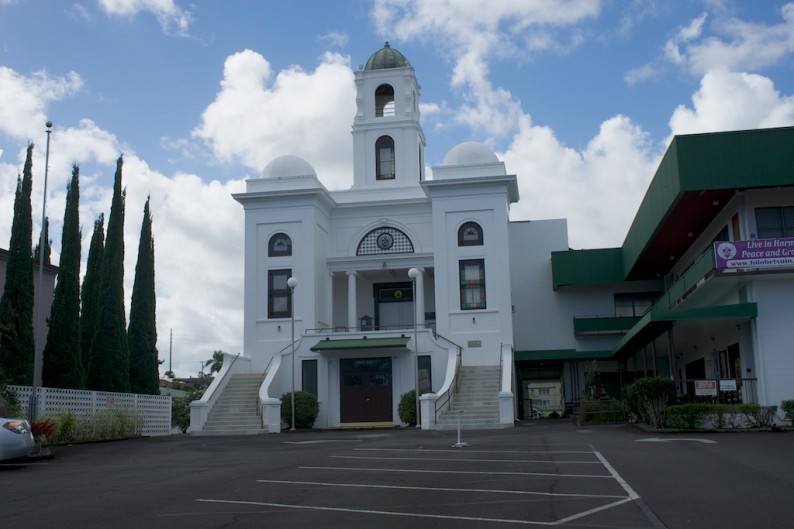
(384,101)
(384,240)
(470,234)
(280,245)
(384,158)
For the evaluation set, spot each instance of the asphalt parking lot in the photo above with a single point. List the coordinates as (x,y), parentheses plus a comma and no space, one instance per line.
(545,473)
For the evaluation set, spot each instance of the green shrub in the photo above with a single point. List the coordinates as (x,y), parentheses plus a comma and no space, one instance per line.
(726,416)
(689,416)
(9,403)
(647,398)
(788,410)
(118,423)
(407,408)
(759,416)
(601,411)
(306,409)
(180,408)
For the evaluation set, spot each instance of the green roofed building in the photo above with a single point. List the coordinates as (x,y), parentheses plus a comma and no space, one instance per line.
(700,290)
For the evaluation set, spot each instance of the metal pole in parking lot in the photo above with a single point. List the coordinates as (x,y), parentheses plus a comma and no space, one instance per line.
(292,283)
(38,346)
(459,444)
(413,273)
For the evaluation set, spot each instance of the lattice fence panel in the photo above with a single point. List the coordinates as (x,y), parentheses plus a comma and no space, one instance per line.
(154,409)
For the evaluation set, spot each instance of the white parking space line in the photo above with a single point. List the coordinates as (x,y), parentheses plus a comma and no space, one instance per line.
(384,513)
(468,460)
(412,481)
(488,473)
(591,511)
(633,495)
(470,451)
(439,489)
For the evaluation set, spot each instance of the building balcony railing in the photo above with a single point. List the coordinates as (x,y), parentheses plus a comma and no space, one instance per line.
(603,325)
(694,277)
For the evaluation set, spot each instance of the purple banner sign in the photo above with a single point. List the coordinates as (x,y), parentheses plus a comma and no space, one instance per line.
(761,253)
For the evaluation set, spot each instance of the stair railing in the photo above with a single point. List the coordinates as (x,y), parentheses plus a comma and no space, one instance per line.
(446,398)
(267,378)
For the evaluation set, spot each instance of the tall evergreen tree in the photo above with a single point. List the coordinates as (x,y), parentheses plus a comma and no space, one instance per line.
(16,305)
(48,247)
(142,333)
(62,365)
(109,368)
(90,292)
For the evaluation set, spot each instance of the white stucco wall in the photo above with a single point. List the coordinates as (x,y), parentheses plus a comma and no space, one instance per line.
(774,339)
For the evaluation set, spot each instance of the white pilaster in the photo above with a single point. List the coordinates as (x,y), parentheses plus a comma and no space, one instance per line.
(352,310)
(420,298)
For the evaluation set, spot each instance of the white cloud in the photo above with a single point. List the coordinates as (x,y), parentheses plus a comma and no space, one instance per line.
(727,43)
(172,18)
(584,186)
(257,116)
(23,100)
(338,39)
(733,101)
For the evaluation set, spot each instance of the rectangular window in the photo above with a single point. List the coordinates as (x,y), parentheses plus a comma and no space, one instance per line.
(633,303)
(309,376)
(278,295)
(774,222)
(425,374)
(386,168)
(472,284)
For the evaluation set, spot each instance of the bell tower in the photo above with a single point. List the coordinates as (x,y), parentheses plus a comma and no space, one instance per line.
(388,142)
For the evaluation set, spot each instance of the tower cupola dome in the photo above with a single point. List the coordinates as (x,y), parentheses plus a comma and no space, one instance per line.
(386,57)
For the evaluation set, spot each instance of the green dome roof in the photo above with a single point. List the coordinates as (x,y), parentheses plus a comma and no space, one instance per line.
(386,57)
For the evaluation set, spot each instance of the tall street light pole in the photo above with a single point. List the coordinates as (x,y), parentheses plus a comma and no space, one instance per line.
(38,347)
(413,273)
(292,283)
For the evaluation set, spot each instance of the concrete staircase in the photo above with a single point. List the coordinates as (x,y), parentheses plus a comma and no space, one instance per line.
(236,411)
(478,396)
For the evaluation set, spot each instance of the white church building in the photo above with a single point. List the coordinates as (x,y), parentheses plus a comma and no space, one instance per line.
(404,281)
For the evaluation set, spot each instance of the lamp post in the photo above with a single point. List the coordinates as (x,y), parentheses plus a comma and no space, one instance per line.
(38,348)
(292,283)
(413,273)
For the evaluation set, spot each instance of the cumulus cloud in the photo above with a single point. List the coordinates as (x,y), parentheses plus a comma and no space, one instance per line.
(733,101)
(23,100)
(258,115)
(556,181)
(173,19)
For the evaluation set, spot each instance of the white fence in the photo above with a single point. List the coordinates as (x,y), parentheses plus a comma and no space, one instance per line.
(154,409)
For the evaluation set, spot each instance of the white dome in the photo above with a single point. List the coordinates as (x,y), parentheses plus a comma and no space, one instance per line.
(470,153)
(288,166)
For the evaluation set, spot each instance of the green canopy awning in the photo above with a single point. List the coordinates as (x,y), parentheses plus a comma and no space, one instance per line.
(359,343)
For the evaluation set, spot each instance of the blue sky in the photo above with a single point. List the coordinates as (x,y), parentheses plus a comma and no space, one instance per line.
(578,97)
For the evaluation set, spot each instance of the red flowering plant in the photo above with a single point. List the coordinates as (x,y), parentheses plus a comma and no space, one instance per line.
(42,430)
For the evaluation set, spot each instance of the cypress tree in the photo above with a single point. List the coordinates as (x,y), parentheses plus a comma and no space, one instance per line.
(63,366)
(142,333)
(109,368)
(48,247)
(16,305)
(90,291)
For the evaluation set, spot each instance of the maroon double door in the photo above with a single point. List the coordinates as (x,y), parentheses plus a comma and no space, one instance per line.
(365,390)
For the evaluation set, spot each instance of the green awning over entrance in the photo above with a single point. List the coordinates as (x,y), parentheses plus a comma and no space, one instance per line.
(359,343)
